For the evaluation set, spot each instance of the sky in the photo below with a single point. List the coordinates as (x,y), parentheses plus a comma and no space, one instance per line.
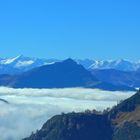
(97,29)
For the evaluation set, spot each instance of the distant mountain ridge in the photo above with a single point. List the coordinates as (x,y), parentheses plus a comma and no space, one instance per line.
(101,70)
(64,74)
(20,64)
(122,64)
(117,77)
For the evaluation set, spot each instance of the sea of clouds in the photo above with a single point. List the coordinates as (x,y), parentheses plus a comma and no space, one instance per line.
(28,109)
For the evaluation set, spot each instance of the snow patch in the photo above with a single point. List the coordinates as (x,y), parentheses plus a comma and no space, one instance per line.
(24,63)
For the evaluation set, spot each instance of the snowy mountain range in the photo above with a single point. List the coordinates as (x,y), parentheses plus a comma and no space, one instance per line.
(21,64)
(122,64)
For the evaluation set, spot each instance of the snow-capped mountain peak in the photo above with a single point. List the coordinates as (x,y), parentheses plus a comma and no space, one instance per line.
(21,64)
(9,60)
(121,64)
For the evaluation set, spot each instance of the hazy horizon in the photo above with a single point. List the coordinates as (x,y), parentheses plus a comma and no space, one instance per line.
(77,58)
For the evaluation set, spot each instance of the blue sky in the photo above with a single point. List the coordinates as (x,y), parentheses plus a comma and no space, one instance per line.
(98,29)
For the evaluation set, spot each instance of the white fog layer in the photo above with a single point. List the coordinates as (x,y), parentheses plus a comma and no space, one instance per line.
(28,109)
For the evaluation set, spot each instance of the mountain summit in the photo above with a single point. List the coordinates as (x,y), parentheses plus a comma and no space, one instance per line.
(58,75)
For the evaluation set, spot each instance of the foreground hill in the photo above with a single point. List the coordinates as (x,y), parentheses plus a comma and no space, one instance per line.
(58,75)
(126,119)
(75,126)
(121,123)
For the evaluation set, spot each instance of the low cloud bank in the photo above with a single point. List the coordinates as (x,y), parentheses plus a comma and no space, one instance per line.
(74,93)
(30,108)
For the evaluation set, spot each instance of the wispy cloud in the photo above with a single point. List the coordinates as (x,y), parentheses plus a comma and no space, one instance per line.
(30,108)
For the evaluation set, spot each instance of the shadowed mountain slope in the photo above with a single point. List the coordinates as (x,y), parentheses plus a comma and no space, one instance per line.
(75,126)
(116,77)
